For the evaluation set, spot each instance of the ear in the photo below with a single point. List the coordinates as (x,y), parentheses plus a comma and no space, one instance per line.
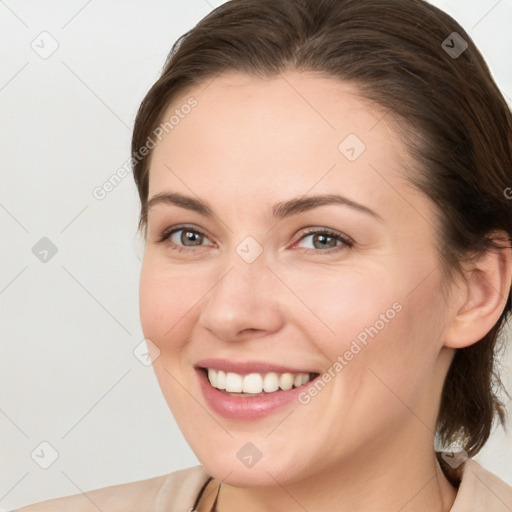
(481,297)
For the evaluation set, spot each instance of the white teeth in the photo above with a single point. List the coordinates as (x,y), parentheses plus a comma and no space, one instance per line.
(270,382)
(234,382)
(286,381)
(255,383)
(221,380)
(212,377)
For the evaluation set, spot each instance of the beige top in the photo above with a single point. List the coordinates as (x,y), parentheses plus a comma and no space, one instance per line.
(479,491)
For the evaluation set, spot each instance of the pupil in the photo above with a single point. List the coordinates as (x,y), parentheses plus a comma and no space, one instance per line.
(190,236)
(323,238)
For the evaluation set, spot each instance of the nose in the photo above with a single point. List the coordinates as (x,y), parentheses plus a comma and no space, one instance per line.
(245,301)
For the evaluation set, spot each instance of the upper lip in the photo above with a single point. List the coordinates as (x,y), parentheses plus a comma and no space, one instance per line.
(247,367)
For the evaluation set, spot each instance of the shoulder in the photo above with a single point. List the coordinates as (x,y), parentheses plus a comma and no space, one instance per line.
(481,491)
(174,491)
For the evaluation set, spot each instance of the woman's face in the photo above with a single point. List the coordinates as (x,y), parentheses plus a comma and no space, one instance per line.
(253,283)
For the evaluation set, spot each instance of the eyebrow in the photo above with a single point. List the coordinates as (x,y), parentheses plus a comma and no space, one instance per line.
(279,210)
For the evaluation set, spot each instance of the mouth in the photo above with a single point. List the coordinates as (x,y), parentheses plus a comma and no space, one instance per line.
(255,384)
(251,390)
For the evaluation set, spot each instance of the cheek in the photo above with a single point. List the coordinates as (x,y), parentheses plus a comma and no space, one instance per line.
(397,364)
(369,319)
(167,297)
(343,305)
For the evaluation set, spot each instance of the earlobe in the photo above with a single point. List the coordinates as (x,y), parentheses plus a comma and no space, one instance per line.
(481,298)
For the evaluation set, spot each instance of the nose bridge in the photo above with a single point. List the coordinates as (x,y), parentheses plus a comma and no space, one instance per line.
(244,296)
(246,271)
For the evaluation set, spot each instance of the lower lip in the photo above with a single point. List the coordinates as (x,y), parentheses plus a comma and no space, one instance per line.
(246,408)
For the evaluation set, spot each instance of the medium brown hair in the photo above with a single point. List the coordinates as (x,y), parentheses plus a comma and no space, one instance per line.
(450,114)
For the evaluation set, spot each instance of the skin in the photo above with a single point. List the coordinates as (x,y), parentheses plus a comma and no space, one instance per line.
(365,442)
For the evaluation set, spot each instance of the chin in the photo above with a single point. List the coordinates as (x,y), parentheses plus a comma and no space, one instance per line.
(229,466)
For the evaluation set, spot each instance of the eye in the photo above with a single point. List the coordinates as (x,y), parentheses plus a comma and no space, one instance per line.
(183,238)
(326,240)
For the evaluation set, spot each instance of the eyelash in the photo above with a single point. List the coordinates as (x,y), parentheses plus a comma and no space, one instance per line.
(346,241)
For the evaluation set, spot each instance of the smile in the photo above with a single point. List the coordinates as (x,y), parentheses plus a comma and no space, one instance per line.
(256,384)
(253,391)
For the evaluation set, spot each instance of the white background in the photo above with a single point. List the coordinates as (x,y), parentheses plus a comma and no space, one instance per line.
(68,326)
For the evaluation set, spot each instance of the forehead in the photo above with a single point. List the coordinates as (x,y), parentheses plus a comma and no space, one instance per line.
(268,136)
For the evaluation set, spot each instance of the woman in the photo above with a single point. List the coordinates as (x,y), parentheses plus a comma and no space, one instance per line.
(328,260)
